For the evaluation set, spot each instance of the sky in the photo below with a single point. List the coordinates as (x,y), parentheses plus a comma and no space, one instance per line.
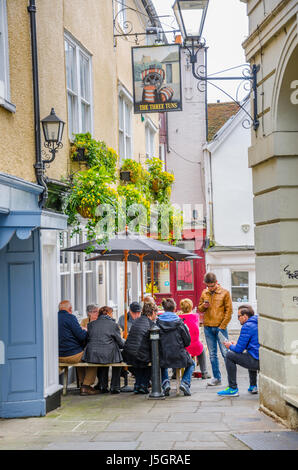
(226,27)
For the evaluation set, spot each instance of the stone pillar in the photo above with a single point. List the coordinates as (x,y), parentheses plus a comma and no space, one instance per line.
(276,218)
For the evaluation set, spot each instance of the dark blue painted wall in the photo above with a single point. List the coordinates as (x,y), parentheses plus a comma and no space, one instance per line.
(21,376)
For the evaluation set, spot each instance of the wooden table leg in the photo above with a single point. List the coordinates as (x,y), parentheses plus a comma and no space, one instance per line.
(65,381)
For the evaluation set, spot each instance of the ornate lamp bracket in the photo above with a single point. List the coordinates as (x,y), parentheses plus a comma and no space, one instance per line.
(248,80)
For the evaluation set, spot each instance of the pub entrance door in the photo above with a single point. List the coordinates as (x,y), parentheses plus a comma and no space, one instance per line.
(181,279)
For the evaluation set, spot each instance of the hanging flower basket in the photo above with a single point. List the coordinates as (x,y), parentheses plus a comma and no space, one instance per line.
(80,155)
(84,211)
(125,175)
(155,185)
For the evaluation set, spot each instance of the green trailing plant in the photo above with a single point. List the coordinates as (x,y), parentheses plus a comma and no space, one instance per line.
(160,181)
(138,175)
(97,154)
(89,189)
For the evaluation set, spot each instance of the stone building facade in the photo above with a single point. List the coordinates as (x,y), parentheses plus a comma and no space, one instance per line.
(273,157)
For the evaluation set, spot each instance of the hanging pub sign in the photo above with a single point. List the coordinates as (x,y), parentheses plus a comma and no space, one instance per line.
(156,75)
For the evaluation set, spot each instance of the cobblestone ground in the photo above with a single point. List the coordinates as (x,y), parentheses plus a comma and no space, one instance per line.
(129,422)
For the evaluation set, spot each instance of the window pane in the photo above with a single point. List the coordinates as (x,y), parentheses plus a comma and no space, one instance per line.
(169,73)
(85,112)
(85,79)
(120,107)
(240,291)
(72,115)
(70,66)
(185,275)
(127,119)
(128,148)
(90,289)
(65,287)
(78,290)
(121,145)
(161,277)
(240,278)
(240,294)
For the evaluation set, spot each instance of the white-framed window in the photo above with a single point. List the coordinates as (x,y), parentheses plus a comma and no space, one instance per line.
(240,286)
(150,133)
(78,278)
(121,11)
(125,103)
(79,87)
(4,60)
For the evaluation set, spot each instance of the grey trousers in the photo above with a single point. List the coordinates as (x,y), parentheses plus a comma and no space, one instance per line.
(244,360)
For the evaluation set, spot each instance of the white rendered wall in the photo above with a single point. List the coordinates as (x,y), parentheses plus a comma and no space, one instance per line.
(232,190)
(186,136)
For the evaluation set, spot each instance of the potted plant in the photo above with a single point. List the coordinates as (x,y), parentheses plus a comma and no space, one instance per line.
(160,181)
(94,152)
(89,189)
(132,171)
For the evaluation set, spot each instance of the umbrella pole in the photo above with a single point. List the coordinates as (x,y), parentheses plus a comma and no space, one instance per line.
(152,278)
(126,387)
(142,280)
(125,293)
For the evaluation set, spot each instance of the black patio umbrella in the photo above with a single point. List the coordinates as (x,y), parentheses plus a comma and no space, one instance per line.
(128,246)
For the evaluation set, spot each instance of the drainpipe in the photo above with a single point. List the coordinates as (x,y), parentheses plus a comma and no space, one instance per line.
(39,167)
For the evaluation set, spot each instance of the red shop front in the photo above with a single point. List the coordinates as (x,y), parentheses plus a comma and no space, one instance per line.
(181,279)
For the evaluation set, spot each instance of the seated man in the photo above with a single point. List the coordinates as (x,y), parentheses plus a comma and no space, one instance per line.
(72,340)
(248,340)
(92,314)
(174,338)
(133,313)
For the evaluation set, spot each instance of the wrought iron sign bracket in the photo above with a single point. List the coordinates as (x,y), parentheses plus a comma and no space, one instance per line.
(249,75)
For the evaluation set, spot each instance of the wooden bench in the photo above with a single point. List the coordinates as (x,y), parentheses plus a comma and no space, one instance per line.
(65,365)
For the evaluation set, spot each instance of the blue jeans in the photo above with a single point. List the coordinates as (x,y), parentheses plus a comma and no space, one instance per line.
(186,376)
(211,335)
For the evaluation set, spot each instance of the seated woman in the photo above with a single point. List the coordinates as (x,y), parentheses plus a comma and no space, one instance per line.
(103,347)
(195,348)
(137,347)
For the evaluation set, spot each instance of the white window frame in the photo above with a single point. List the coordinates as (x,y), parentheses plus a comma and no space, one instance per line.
(125,98)
(150,134)
(4,54)
(74,264)
(76,93)
(121,17)
(242,270)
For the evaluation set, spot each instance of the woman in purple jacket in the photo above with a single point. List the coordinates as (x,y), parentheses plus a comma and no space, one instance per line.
(245,353)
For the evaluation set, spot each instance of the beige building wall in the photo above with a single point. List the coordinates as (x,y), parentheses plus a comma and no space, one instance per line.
(91,25)
(273,156)
(17,147)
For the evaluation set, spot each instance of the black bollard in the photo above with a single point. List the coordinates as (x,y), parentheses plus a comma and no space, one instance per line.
(156,391)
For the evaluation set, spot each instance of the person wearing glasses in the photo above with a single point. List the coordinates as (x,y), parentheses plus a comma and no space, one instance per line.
(216,304)
(244,353)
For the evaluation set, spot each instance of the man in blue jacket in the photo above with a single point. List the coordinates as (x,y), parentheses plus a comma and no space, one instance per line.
(245,353)
(72,340)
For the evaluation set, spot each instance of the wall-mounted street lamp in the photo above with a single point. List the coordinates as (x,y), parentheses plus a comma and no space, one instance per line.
(52,128)
(190,16)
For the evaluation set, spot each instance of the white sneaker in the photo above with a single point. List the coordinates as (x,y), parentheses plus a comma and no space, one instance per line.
(214,382)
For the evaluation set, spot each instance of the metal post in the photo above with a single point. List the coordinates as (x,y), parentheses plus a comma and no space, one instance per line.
(156,391)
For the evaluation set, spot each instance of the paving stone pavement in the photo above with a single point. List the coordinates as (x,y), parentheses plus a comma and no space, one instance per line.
(203,421)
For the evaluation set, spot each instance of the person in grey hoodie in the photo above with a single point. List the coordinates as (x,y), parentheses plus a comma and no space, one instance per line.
(174,338)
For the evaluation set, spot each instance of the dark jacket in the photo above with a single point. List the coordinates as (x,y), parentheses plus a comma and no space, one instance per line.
(104,341)
(136,350)
(72,338)
(248,338)
(174,338)
(130,322)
